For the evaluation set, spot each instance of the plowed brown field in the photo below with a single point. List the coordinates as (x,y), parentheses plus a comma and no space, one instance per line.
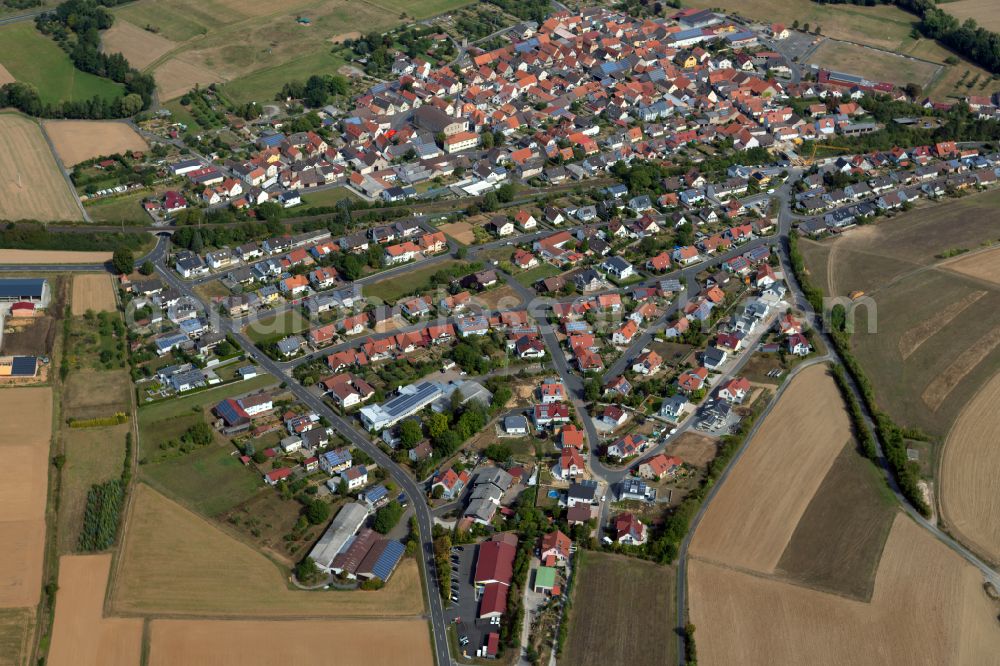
(750,520)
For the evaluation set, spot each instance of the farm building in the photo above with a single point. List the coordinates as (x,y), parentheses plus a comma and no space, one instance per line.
(18,366)
(31,290)
(338,535)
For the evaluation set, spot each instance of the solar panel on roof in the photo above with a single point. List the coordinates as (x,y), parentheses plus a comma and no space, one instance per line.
(23,366)
(388,560)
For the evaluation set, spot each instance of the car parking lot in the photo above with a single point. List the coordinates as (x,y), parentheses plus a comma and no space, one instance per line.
(466,607)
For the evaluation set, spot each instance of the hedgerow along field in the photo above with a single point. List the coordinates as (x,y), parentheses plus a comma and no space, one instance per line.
(618,603)
(32,187)
(214,573)
(33,58)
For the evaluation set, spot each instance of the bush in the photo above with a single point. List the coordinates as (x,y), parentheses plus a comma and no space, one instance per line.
(387,517)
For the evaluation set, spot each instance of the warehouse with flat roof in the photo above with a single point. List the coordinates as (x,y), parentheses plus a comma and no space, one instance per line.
(32,290)
(411,399)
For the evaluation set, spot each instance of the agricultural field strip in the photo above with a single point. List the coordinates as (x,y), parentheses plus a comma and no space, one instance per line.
(937,391)
(918,335)
(970,466)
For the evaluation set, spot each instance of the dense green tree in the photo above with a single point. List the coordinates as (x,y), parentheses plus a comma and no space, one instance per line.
(123,260)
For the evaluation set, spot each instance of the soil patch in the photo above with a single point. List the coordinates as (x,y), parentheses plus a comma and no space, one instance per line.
(81,634)
(80,140)
(694,449)
(982,266)
(838,542)
(25,440)
(93,292)
(252,643)
(614,628)
(460,231)
(755,513)
(914,617)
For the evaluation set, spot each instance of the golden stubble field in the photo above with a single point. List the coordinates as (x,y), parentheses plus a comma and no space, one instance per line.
(52,257)
(983,12)
(970,469)
(31,186)
(266,642)
(211,573)
(25,444)
(983,265)
(81,635)
(80,140)
(93,292)
(5,76)
(754,514)
(928,607)
(140,47)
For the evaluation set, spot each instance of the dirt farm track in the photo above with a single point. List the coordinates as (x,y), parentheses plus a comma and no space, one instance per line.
(970,466)
(80,140)
(32,187)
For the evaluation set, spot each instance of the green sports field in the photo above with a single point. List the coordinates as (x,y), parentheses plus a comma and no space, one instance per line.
(33,58)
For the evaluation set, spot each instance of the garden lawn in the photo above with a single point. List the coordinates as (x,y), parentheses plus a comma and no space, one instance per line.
(530,277)
(211,480)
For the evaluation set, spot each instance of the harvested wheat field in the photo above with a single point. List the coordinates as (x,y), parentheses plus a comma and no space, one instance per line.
(212,573)
(751,519)
(16,633)
(983,12)
(941,386)
(93,292)
(25,442)
(6,77)
(266,642)
(910,341)
(176,77)
(80,140)
(140,47)
(914,617)
(970,467)
(52,257)
(982,266)
(32,188)
(460,231)
(81,635)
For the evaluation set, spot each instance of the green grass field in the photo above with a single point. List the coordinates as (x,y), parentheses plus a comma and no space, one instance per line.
(210,480)
(33,58)
(263,84)
(421,8)
(126,209)
(530,277)
(418,279)
(274,328)
(328,197)
(164,410)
